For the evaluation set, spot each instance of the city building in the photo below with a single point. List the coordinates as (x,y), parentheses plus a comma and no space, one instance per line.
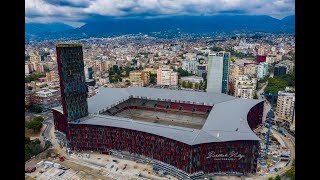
(166,76)
(48,76)
(88,72)
(72,81)
(39,68)
(271,59)
(26,69)
(279,69)
(46,99)
(190,66)
(139,78)
(261,58)
(250,70)
(34,58)
(150,70)
(285,107)
(202,70)
(290,66)
(245,87)
(262,70)
(218,72)
(293,124)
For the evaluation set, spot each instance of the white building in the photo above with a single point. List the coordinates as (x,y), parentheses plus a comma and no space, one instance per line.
(190,66)
(26,69)
(166,76)
(218,72)
(245,87)
(262,70)
(285,107)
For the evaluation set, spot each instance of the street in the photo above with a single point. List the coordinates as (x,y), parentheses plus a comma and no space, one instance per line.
(267,105)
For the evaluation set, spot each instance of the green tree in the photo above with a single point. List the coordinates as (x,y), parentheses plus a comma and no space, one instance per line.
(277,177)
(27,140)
(291,173)
(270,178)
(255,96)
(184,84)
(182,72)
(153,78)
(215,48)
(189,85)
(38,118)
(35,108)
(35,124)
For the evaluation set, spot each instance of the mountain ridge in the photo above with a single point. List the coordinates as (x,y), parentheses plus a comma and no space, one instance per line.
(175,25)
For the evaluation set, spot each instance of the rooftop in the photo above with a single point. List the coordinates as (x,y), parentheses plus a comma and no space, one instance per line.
(227,121)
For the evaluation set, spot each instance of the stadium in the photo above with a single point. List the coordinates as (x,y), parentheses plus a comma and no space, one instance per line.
(195,132)
(187,134)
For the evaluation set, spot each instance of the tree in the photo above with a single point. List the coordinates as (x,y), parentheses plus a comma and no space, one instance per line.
(153,78)
(291,173)
(184,84)
(182,72)
(189,85)
(196,86)
(35,124)
(27,140)
(35,108)
(277,178)
(38,118)
(270,178)
(255,96)
(232,59)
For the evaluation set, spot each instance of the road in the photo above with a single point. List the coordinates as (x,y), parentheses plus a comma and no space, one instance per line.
(267,105)
(291,145)
(48,123)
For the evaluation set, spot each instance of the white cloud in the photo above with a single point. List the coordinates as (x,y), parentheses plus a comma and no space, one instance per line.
(77,12)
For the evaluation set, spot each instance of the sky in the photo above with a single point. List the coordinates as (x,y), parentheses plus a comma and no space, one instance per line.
(77,12)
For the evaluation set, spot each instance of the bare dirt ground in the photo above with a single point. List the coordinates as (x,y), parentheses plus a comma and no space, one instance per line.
(31,134)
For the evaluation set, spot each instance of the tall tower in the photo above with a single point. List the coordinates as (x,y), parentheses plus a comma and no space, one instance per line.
(218,72)
(72,81)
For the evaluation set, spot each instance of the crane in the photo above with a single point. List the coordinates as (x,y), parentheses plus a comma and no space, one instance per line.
(272,95)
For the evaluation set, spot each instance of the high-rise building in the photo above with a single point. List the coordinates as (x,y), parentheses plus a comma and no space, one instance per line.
(166,76)
(262,70)
(245,87)
(72,81)
(218,72)
(279,70)
(285,107)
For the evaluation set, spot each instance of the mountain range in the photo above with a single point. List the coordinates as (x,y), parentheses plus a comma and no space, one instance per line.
(173,25)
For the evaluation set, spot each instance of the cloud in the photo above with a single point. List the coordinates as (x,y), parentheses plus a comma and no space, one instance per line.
(77,12)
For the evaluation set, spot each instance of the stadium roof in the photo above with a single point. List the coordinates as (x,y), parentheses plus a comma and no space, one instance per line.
(227,120)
